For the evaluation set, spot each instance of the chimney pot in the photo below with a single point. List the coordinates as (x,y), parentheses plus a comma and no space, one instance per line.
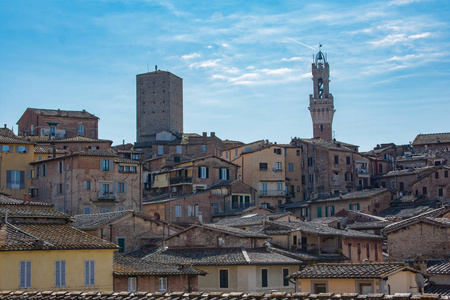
(25,195)
(213,134)
(205,134)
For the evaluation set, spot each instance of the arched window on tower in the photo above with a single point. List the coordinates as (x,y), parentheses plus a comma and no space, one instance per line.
(321,127)
(320,88)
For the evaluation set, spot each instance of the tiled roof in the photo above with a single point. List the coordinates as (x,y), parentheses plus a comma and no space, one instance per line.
(325,230)
(328,144)
(76,139)
(7,199)
(442,268)
(7,132)
(409,211)
(222,256)
(369,225)
(406,172)
(50,295)
(96,152)
(347,270)
(64,113)
(441,222)
(438,289)
(48,150)
(126,161)
(305,256)
(353,195)
(240,211)
(28,236)
(249,220)
(94,221)
(233,231)
(432,138)
(13,140)
(25,211)
(133,266)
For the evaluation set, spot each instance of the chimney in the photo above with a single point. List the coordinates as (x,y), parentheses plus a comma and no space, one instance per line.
(29,198)
(25,196)
(205,134)
(213,134)
(5,126)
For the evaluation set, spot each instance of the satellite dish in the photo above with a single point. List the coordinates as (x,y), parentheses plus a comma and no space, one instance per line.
(157,216)
(420,280)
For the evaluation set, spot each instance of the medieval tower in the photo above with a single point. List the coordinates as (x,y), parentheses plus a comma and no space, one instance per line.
(159,103)
(321,104)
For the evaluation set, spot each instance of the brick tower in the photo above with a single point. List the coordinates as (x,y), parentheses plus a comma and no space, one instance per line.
(159,103)
(321,103)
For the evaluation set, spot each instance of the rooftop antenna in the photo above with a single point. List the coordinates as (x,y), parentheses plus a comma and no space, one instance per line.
(156,68)
(148,70)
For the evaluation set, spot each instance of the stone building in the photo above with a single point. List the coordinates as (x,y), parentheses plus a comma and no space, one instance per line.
(432,231)
(128,229)
(321,102)
(328,167)
(57,123)
(432,140)
(91,181)
(433,184)
(159,107)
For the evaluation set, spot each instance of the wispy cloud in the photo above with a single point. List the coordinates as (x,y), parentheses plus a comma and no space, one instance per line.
(190,56)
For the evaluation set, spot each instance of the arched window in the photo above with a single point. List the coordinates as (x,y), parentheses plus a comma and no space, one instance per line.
(320,82)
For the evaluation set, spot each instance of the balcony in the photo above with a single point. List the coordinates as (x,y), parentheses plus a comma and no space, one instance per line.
(180,180)
(106,196)
(272,193)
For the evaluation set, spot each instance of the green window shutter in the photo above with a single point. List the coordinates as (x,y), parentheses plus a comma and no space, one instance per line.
(207,172)
(22,179)
(332,210)
(220,174)
(228,174)
(319,211)
(101,164)
(350,206)
(199,172)
(357,206)
(8,179)
(326,211)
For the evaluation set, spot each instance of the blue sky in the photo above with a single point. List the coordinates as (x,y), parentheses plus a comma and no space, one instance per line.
(246,65)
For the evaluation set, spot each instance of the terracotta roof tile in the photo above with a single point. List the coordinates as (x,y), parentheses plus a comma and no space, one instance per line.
(442,268)
(346,270)
(128,265)
(64,113)
(94,221)
(431,138)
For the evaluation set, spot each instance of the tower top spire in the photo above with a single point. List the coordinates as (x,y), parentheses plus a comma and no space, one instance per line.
(320,57)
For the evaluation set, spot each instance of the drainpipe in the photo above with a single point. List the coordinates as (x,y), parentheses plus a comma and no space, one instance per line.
(65,185)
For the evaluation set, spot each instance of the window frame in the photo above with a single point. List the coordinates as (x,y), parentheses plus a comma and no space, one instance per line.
(224,283)
(60,273)
(25,274)
(89,273)
(132,283)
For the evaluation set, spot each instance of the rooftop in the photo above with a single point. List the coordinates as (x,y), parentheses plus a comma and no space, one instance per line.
(64,113)
(94,221)
(431,138)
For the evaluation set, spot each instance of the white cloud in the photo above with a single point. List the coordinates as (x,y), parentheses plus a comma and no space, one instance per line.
(204,64)
(406,57)
(295,59)
(191,56)
(402,2)
(420,35)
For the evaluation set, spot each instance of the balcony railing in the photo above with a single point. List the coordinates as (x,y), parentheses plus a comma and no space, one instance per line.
(178,180)
(106,196)
(272,193)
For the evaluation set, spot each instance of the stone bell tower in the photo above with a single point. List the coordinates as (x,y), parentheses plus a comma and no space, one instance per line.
(321,103)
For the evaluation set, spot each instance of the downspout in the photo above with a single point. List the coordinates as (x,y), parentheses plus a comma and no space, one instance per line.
(65,185)
(140,187)
(71,185)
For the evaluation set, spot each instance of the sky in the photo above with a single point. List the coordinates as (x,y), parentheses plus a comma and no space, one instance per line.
(246,65)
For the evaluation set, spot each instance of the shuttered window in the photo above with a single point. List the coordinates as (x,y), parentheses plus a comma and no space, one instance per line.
(25,275)
(223,278)
(264,278)
(15,180)
(89,272)
(60,273)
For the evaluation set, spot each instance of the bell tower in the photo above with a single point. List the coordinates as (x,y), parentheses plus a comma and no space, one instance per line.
(321,103)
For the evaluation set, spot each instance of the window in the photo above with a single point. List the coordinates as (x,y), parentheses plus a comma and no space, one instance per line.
(132,284)
(279,186)
(60,273)
(89,272)
(348,160)
(135,156)
(336,159)
(263,166)
(376,252)
(350,251)
(22,149)
(226,154)
(39,157)
(15,180)
(60,188)
(203,172)
(446,174)
(160,150)
(358,246)
(424,190)
(121,187)
(436,175)
(321,127)
(368,251)
(310,161)
(285,275)
(163,283)
(264,278)
(86,185)
(60,166)
(277,151)
(311,178)
(43,191)
(298,152)
(25,275)
(105,189)
(224,174)
(203,148)
(223,279)
(236,152)
(120,208)
(105,210)
(263,188)
(440,192)
(365,288)
(120,168)
(127,169)
(319,211)
(320,288)
(247,149)
(401,186)
(178,211)
(179,149)
(192,210)
(80,130)
(87,210)
(133,169)
(278,166)
(121,244)
(4,148)
(303,179)
(105,165)
(291,167)
(380,168)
